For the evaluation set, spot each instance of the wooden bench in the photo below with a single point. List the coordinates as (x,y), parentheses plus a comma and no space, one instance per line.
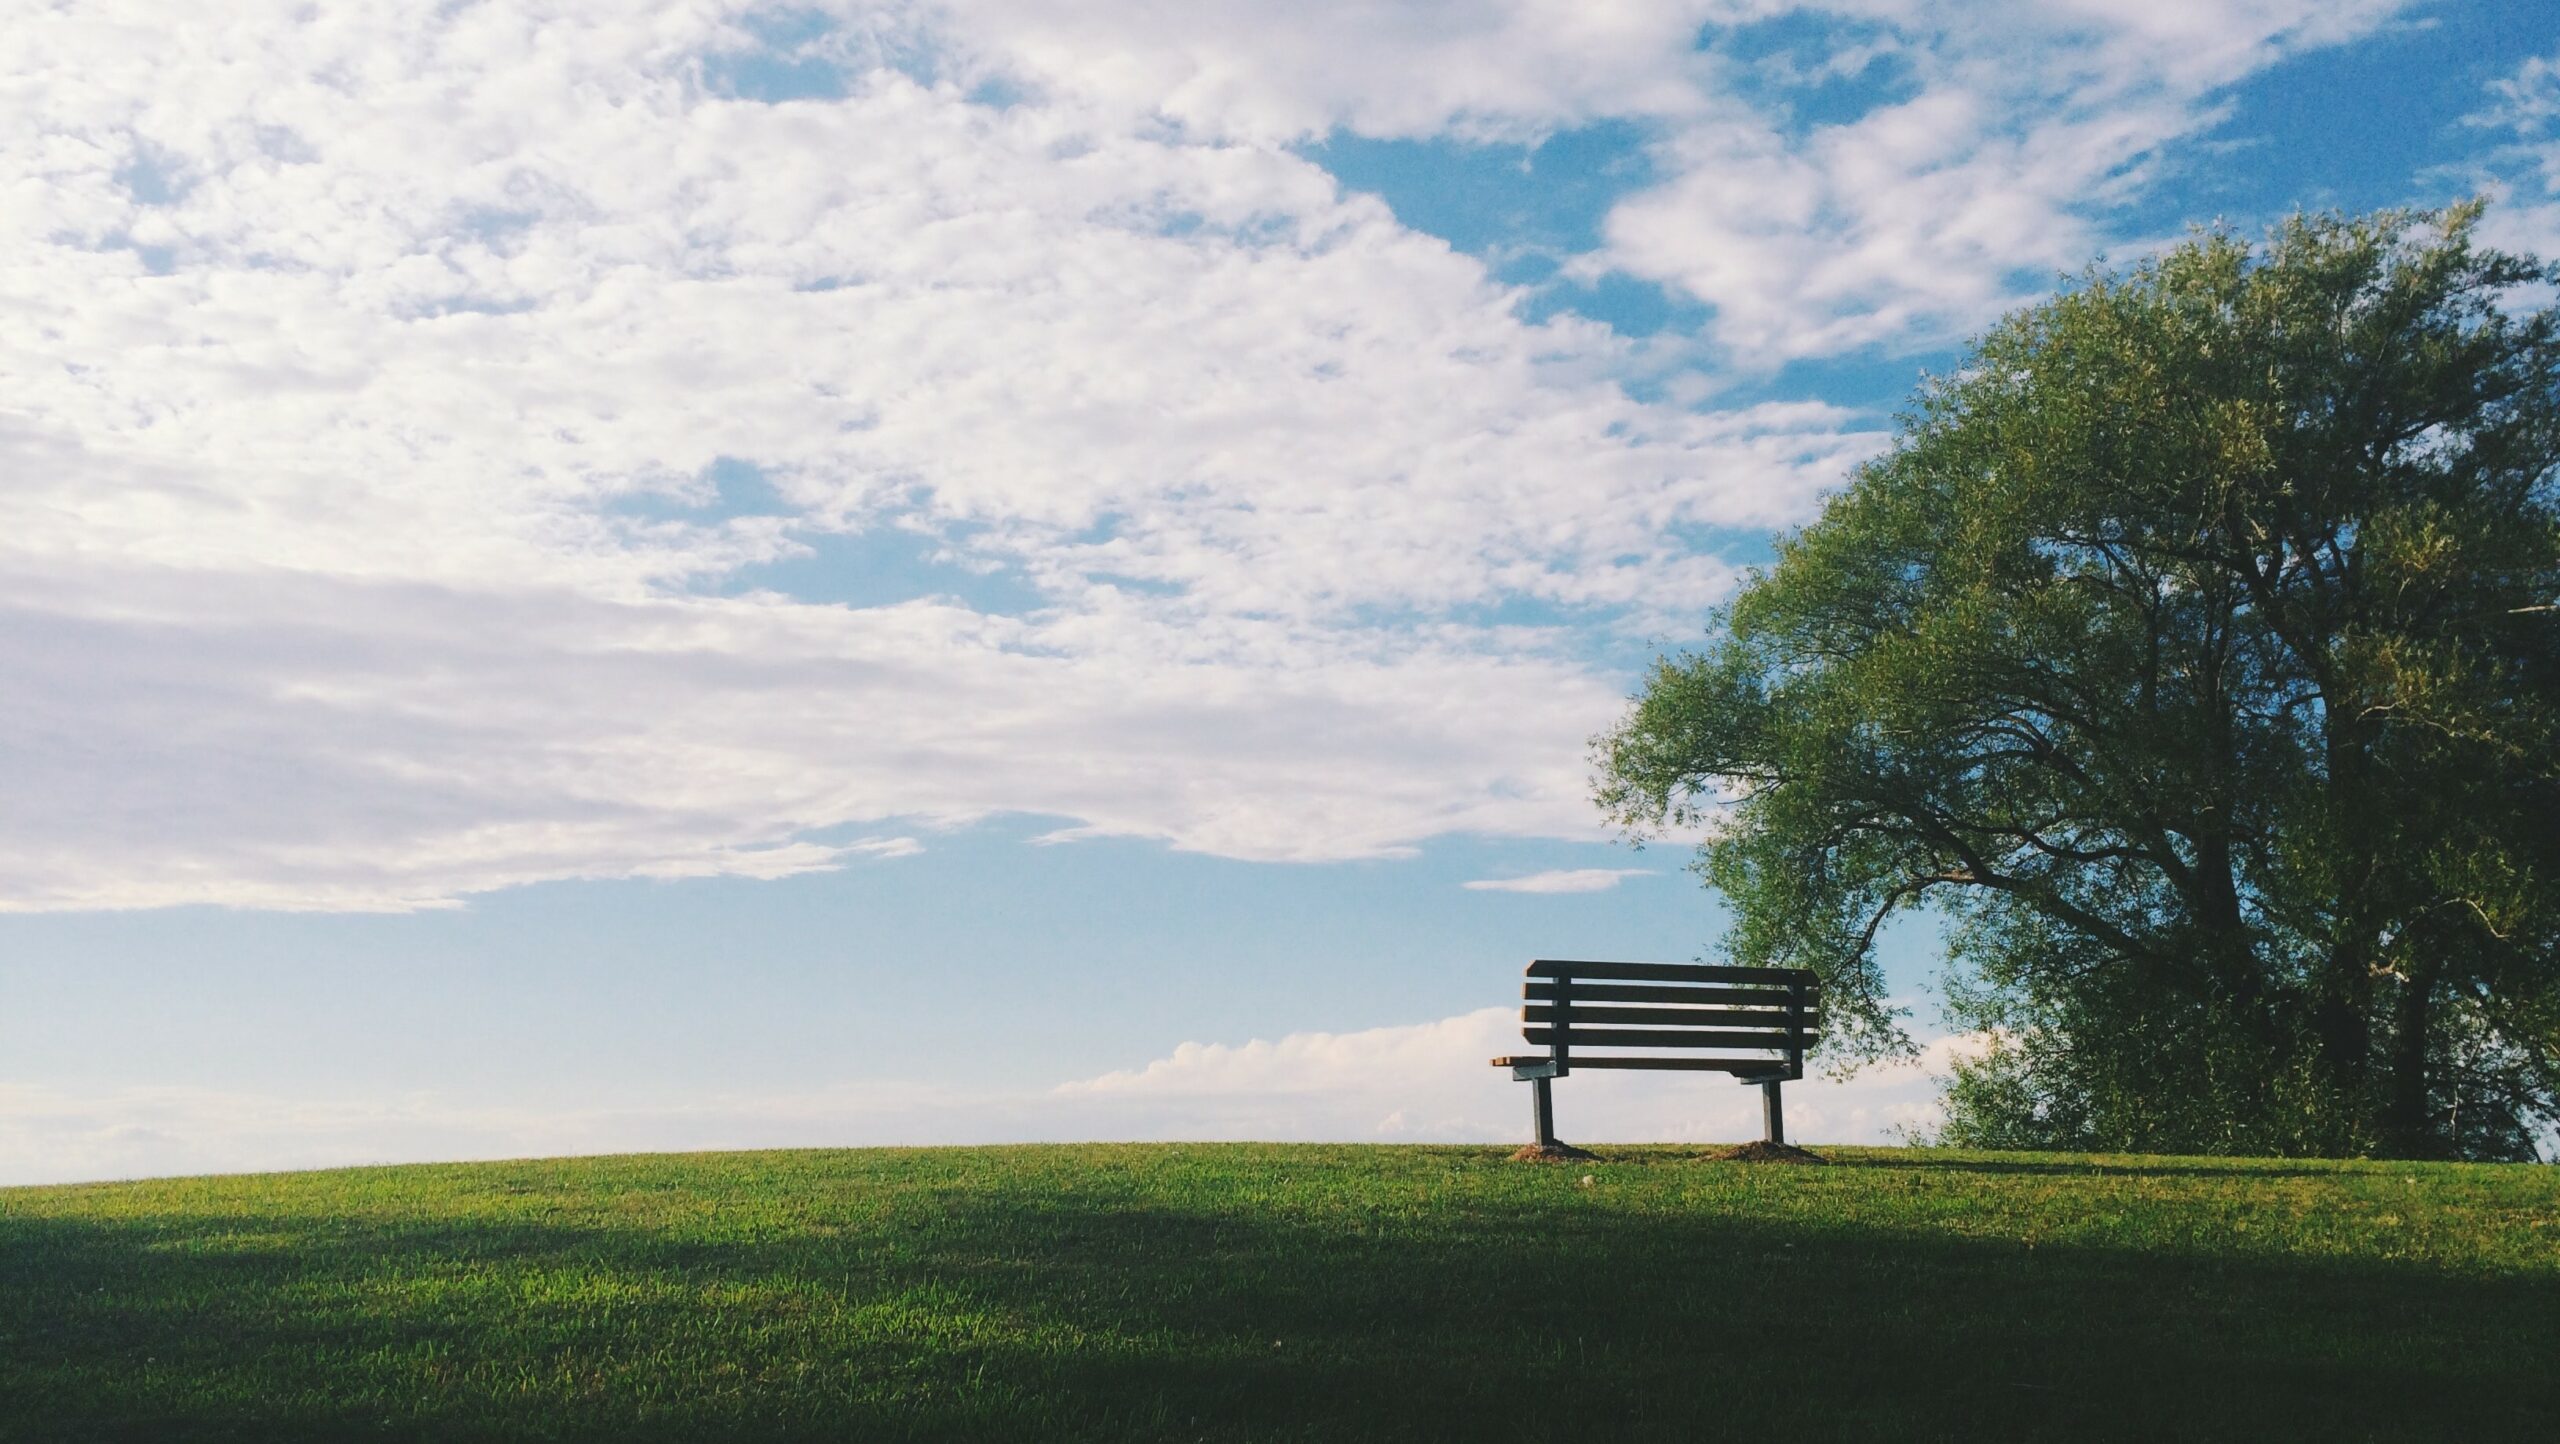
(1760,1021)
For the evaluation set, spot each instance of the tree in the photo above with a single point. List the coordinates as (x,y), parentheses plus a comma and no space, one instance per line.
(2192,656)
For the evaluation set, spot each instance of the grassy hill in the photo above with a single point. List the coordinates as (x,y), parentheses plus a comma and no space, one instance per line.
(1261,1292)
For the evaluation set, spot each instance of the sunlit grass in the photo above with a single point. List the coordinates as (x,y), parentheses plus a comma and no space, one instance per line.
(1265,1292)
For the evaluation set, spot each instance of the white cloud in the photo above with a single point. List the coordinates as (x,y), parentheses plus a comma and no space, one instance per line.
(1477,68)
(2522,171)
(2007,133)
(281,740)
(1903,228)
(1580,879)
(370,369)
(2529,100)
(1427,1082)
(1433,1082)
(1923,218)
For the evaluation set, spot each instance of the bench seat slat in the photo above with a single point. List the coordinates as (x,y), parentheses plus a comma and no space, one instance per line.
(1703,1065)
(1630,993)
(1582,1038)
(1669,972)
(1584,1014)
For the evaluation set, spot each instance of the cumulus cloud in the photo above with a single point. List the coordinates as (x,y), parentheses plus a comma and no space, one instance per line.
(1426,1082)
(1579,879)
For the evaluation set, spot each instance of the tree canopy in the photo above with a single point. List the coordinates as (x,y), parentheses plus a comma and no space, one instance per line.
(2192,656)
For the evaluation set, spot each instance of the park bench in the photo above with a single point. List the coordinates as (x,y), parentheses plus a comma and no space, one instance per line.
(1760,1021)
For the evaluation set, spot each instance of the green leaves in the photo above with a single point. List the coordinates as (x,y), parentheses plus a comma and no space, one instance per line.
(2184,654)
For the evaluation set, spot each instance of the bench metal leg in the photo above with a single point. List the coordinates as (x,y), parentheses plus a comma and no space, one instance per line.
(1543,1100)
(1772,1113)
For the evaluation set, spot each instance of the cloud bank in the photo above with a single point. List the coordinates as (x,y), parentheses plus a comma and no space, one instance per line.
(407,399)
(1424,1083)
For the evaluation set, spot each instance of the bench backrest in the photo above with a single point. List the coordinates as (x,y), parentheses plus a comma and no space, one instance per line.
(1590,1014)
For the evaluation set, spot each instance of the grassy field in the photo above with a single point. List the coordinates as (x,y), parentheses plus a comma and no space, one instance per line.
(1264,1292)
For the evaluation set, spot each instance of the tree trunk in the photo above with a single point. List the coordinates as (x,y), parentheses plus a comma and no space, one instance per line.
(2407,1125)
(2342,1022)
(2228,949)
(2342,1009)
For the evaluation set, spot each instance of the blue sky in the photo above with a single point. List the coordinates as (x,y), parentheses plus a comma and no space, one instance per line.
(580,576)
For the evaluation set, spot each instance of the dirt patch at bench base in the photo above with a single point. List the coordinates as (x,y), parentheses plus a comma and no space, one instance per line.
(1762,1152)
(1561,1153)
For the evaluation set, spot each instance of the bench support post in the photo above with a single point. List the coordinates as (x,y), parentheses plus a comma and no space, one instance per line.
(1543,1100)
(1772,1113)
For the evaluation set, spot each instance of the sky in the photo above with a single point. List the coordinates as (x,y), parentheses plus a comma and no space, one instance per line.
(588,576)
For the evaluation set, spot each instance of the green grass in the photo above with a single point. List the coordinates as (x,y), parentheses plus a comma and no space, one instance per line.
(1261,1292)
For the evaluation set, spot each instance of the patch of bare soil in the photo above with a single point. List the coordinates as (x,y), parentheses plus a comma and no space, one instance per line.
(1561,1153)
(1762,1151)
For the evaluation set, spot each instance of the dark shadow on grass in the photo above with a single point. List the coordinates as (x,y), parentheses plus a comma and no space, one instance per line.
(1050,1316)
(2238,1168)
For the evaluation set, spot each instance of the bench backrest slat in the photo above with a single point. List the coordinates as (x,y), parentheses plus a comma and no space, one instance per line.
(1660,972)
(1597,1013)
(1724,996)
(1584,1038)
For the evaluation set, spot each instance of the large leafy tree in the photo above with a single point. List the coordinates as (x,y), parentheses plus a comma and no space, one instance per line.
(2192,657)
